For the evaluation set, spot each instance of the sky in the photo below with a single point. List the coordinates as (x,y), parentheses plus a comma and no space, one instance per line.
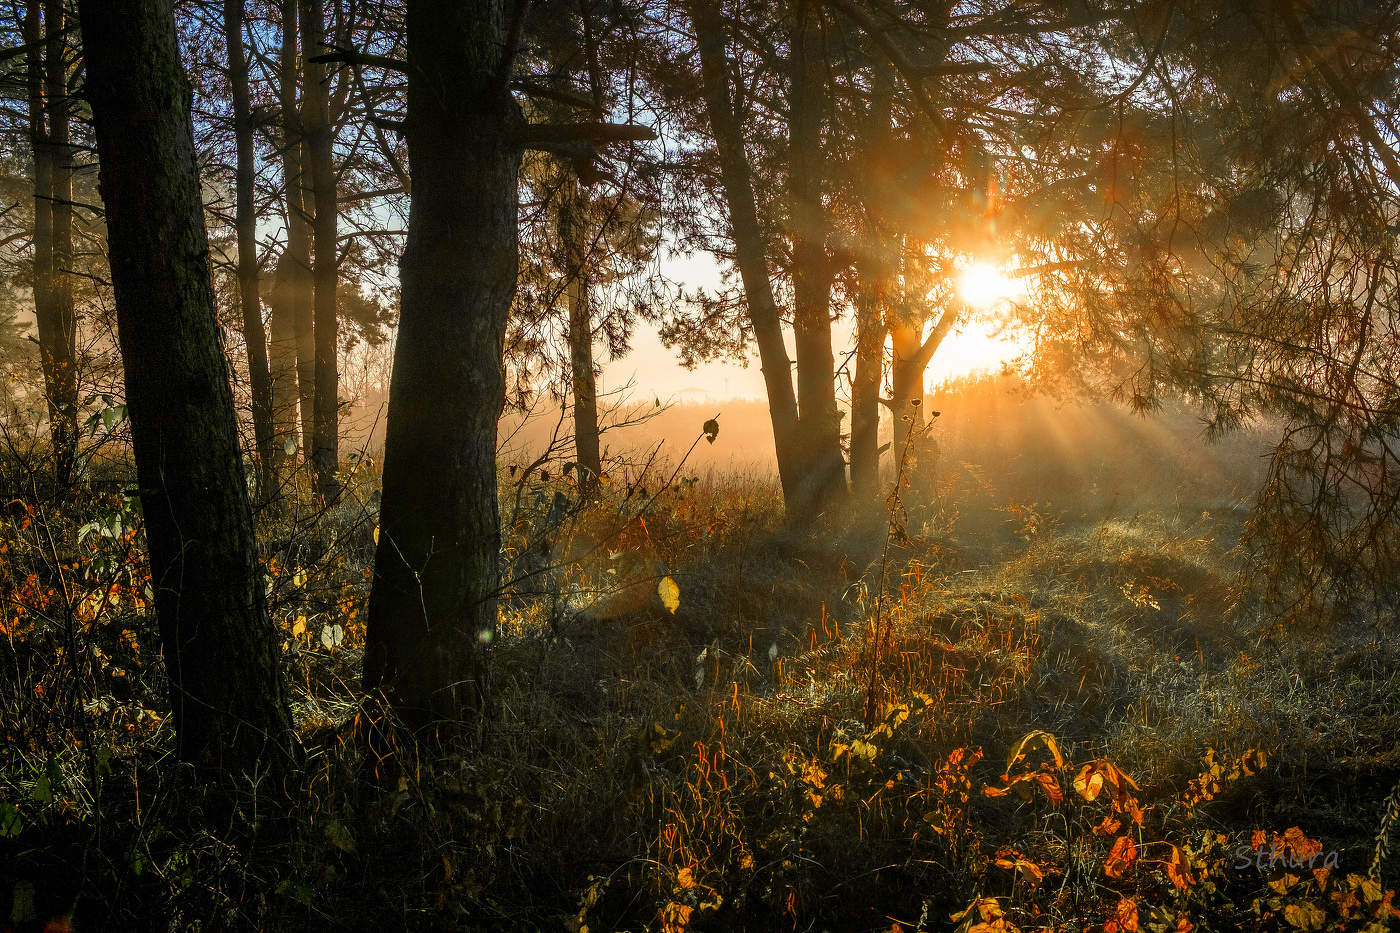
(654,371)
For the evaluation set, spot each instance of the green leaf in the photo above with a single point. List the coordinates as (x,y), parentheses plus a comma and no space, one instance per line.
(339,835)
(10,821)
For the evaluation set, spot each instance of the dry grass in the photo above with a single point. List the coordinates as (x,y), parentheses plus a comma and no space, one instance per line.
(716,768)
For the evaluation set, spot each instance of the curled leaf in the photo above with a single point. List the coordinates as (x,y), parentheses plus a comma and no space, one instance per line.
(1121,857)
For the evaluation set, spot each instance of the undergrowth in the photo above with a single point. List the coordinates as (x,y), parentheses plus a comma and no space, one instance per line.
(1076,723)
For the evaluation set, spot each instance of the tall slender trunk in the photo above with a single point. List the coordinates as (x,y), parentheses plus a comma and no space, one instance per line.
(53,229)
(43,195)
(270,457)
(220,648)
(433,604)
(316,125)
(865,385)
(287,294)
(736,179)
(573,234)
(824,481)
(875,270)
(295,286)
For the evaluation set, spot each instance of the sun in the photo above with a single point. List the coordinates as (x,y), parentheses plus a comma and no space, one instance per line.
(982,285)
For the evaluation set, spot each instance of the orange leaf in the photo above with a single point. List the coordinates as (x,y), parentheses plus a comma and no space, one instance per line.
(1050,787)
(1121,857)
(1013,860)
(1124,919)
(1297,842)
(1108,826)
(1177,869)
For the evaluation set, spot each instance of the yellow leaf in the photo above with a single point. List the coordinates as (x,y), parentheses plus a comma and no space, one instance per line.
(670,594)
(1305,916)
(299,626)
(1088,782)
(1045,738)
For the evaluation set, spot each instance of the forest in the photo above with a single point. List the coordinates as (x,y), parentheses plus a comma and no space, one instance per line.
(700,465)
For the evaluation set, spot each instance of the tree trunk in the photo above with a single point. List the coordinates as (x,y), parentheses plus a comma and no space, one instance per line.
(318,137)
(270,457)
(824,480)
(906,384)
(876,272)
(573,234)
(912,352)
(736,179)
(53,230)
(296,284)
(43,200)
(865,387)
(220,648)
(433,605)
(290,291)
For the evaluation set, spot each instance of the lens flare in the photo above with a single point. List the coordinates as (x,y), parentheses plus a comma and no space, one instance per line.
(981,286)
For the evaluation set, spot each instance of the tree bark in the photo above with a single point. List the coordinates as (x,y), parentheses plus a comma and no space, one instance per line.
(573,234)
(43,197)
(906,383)
(875,272)
(824,479)
(270,456)
(288,294)
(912,352)
(436,574)
(736,180)
(316,125)
(53,229)
(294,284)
(220,648)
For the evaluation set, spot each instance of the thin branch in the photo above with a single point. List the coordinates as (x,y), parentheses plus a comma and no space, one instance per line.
(363,59)
(567,137)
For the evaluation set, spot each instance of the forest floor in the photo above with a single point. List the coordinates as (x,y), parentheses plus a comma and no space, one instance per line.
(977,716)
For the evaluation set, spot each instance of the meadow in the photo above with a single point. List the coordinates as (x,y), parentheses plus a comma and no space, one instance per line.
(1034,689)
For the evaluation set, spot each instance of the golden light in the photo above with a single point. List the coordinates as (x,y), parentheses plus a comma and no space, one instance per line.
(982,285)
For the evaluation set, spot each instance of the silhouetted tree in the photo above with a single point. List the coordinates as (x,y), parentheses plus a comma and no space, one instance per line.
(436,575)
(318,137)
(49,115)
(220,651)
(269,452)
